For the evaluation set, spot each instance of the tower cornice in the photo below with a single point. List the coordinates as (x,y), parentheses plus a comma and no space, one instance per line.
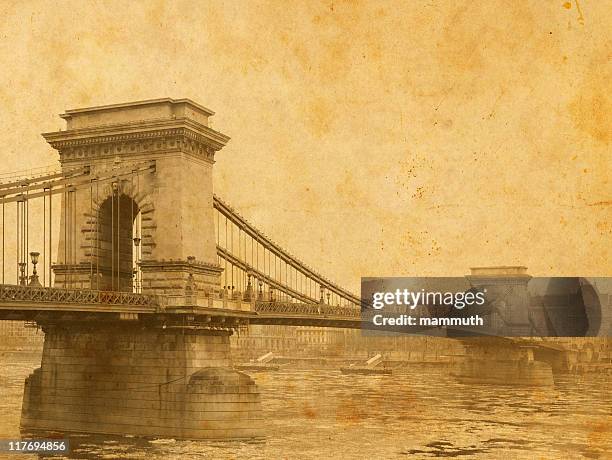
(138,138)
(148,129)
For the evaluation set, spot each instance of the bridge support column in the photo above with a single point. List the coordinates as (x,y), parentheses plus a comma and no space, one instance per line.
(495,360)
(144,381)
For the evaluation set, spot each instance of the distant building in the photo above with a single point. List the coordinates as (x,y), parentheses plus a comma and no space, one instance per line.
(289,340)
(18,335)
(313,341)
(257,340)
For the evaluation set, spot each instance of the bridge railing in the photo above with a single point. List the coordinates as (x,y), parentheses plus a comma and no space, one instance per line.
(13,293)
(290,308)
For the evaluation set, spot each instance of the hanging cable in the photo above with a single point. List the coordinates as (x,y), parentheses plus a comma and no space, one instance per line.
(44,253)
(113,239)
(74,239)
(118,239)
(69,239)
(50,234)
(2,239)
(225,271)
(24,233)
(18,241)
(71,235)
(232,252)
(218,214)
(133,274)
(66,210)
(27,235)
(91,241)
(65,215)
(97,236)
(139,236)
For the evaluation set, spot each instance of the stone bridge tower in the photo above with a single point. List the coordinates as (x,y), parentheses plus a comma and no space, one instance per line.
(169,210)
(156,373)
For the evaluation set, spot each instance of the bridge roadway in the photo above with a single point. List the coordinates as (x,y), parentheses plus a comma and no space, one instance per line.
(27,303)
(43,305)
(55,305)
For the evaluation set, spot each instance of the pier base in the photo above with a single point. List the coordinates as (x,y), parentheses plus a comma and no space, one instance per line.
(114,379)
(496,361)
(505,372)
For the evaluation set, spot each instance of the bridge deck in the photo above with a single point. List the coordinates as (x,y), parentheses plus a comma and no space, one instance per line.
(53,304)
(31,303)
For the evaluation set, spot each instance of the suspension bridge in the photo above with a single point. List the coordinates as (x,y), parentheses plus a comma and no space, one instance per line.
(138,274)
(92,246)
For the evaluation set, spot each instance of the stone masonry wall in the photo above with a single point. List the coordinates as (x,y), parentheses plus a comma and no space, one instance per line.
(147,382)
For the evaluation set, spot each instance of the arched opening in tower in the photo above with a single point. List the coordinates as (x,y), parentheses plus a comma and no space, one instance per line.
(118,245)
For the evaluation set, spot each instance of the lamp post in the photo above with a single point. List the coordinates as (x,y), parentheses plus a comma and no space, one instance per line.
(34,282)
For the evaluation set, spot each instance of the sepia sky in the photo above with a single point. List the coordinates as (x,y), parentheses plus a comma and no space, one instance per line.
(369,138)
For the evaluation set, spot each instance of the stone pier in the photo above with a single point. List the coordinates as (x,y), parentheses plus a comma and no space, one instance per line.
(144,381)
(494,360)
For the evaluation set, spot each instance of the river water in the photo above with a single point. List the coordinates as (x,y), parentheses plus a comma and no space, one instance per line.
(320,414)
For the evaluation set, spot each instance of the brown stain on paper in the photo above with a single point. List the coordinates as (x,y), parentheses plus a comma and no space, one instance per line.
(591,107)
